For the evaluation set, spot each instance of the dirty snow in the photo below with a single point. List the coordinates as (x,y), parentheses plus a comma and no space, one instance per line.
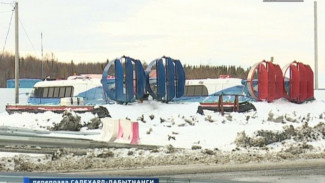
(158,121)
(176,125)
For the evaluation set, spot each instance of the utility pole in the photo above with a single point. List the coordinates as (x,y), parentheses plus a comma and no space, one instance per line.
(315,45)
(16,55)
(42,56)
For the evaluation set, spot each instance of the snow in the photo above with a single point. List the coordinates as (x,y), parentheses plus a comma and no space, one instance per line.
(179,124)
(171,125)
(7,95)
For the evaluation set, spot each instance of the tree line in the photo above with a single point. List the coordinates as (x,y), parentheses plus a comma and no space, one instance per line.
(208,71)
(31,67)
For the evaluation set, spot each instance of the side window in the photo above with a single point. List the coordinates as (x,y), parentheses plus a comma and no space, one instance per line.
(205,90)
(190,91)
(56,92)
(62,92)
(37,92)
(198,90)
(51,91)
(40,92)
(45,91)
(68,91)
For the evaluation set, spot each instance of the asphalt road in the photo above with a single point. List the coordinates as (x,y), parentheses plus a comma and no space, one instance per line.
(292,175)
(286,172)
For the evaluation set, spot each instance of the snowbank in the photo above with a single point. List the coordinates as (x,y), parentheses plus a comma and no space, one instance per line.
(276,131)
(180,125)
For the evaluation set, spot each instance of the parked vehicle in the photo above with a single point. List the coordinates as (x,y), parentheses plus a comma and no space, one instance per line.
(78,93)
(76,90)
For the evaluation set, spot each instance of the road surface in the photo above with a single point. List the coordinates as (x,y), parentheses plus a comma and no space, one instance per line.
(286,172)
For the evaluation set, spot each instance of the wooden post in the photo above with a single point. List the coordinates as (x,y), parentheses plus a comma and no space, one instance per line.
(236,104)
(220,105)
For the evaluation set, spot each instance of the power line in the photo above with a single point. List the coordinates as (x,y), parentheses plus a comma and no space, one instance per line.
(22,25)
(27,35)
(6,3)
(4,46)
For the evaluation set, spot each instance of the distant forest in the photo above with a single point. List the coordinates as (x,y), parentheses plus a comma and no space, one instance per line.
(31,67)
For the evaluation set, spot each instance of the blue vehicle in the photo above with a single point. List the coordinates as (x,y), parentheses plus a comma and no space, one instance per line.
(208,90)
(76,90)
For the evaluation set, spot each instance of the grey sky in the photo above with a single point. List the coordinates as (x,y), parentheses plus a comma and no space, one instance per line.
(211,32)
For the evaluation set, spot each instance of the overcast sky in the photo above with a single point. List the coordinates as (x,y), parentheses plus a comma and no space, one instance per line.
(214,32)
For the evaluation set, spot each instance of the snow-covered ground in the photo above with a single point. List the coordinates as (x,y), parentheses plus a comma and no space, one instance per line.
(180,125)
(277,131)
(7,96)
